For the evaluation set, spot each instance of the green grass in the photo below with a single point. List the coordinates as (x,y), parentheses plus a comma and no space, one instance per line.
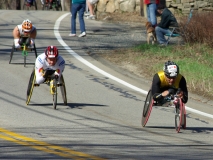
(195,63)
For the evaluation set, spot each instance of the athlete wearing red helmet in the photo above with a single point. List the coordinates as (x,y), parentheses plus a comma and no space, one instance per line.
(47,63)
(24,33)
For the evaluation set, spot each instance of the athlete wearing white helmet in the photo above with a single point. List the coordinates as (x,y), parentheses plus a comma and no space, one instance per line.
(47,62)
(24,33)
(169,81)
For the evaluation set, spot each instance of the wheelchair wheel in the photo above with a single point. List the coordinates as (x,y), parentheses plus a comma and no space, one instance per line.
(35,4)
(11,54)
(34,48)
(179,116)
(58,6)
(30,86)
(63,90)
(55,93)
(32,6)
(25,57)
(183,115)
(147,108)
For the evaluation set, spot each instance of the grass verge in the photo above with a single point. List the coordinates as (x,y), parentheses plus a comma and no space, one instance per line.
(195,62)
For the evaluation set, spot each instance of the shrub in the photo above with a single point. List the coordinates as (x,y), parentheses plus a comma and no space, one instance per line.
(199,28)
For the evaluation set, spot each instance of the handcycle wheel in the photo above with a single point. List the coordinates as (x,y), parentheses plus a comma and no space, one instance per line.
(54,87)
(178,116)
(24,6)
(34,48)
(25,57)
(183,115)
(58,6)
(63,90)
(11,54)
(30,86)
(147,108)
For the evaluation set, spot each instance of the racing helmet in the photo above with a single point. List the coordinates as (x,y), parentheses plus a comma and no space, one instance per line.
(27,25)
(171,69)
(51,52)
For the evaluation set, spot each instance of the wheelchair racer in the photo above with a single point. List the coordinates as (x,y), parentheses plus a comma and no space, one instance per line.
(49,63)
(24,33)
(169,82)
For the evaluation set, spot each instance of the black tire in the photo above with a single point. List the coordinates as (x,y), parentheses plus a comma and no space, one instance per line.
(55,93)
(147,108)
(35,50)
(11,54)
(35,4)
(30,86)
(24,5)
(25,61)
(178,116)
(58,6)
(63,90)
(25,53)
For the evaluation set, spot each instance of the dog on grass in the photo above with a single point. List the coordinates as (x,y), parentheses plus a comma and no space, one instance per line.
(151,35)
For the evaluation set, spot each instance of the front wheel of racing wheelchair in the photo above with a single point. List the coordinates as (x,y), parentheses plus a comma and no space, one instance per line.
(53,83)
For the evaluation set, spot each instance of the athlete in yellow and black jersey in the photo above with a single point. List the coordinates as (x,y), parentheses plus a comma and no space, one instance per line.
(169,81)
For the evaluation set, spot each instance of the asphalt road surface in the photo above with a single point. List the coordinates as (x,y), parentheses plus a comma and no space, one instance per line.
(103,117)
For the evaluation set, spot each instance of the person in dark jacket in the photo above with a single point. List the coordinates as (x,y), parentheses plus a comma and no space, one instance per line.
(167,20)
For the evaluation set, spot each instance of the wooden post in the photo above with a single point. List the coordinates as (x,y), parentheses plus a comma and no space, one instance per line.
(141,8)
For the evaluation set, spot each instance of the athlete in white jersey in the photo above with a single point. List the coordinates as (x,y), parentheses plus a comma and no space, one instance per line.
(49,61)
(24,33)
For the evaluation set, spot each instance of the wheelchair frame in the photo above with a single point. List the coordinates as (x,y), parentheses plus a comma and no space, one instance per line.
(55,5)
(180,112)
(25,7)
(53,88)
(24,50)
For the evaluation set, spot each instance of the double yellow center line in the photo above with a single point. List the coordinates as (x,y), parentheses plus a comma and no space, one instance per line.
(43,146)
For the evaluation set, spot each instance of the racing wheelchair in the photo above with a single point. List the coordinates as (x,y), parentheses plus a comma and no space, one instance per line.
(24,48)
(51,81)
(171,101)
(29,5)
(52,4)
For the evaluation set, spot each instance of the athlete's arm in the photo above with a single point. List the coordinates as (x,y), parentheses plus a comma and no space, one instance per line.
(33,33)
(16,33)
(156,92)
(39,70)
(60,65)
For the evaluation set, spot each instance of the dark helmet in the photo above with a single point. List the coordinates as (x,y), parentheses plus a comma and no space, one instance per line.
(51,52)
(171,69)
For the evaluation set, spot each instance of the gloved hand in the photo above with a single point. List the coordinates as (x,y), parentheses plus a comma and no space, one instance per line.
(32,42)
(56,75)
(16,43)
(171,91)
(48,73)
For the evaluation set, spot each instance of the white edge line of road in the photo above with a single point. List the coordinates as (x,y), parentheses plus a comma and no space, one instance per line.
(69,50)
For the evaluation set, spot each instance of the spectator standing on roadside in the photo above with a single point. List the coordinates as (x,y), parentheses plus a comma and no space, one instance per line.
(167,20)
(91,6)
(151,11)
(78,6)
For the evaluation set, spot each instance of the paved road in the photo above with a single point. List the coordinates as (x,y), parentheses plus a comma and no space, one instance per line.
(102,118)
